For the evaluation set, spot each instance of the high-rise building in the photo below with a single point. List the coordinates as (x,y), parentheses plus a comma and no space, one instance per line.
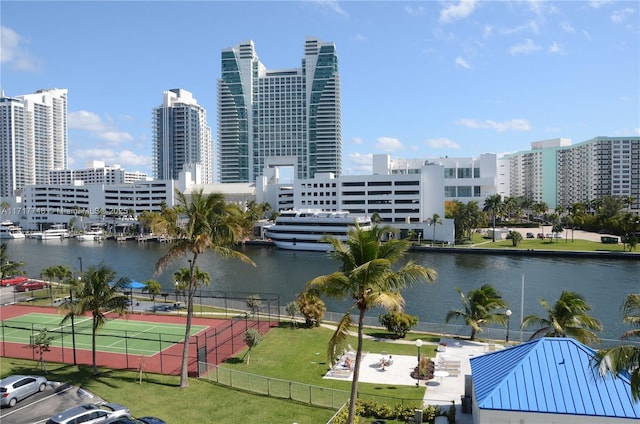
(33,139)
(279,118)
(181,138)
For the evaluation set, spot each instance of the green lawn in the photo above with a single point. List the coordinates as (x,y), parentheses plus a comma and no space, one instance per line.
(297,355)
(301,355)
(555,244)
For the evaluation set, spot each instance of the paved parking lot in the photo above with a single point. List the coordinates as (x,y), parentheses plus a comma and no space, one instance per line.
(41,406)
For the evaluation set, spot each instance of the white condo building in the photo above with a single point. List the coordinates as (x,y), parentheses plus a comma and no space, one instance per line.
(33,138)
(96,172)
(279,118)
(558,173)
(181,138)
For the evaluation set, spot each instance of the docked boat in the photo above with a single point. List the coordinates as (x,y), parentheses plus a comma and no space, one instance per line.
(56,232)
(304,229)
(9,231)
(90,236)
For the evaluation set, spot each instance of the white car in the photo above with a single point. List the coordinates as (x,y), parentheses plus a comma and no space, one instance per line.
(89,413)
(18,387)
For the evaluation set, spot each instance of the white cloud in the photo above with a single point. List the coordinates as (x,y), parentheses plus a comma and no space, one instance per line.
(442,143)
(596,4)
(112,157)
(388,144)
(621,15)
(462,63)
(85,120)
(567,27)
(14,53)
(332,6)
(357,140)
(93,123)
(488,31)
(512,125)
(527,47)
(531,26)
(556,48)
(414,11)
(358,164)
(454,12)
(360,37)
(115,137)
(636,131)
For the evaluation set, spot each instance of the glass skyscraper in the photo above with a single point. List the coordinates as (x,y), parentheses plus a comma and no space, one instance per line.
(279,118)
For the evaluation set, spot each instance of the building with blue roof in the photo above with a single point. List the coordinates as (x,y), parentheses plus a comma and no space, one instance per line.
(548,380)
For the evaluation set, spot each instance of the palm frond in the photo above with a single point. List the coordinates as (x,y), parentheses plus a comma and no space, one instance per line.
(338,340)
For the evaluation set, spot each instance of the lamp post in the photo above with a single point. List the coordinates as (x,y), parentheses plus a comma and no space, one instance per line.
(418,345)
(508,314)
(176,285)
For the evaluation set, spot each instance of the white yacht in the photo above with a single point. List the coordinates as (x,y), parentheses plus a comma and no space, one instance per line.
(55,232)
(304,229)
(8,231)
(90,236)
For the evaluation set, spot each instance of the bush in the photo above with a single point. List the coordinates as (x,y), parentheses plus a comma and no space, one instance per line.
(398,322)
(372,409)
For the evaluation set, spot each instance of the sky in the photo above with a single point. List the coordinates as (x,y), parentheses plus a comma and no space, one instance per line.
(419,79)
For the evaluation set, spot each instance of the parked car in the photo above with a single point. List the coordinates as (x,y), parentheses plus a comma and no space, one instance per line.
(31,285)
(530,235)
(540,236)
(90,413)
(13,281)
(17,387)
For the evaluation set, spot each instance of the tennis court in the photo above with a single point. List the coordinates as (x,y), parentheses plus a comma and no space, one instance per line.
(116,336)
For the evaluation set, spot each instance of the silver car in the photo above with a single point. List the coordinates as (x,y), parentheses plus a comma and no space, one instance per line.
(89,413)
(18,387)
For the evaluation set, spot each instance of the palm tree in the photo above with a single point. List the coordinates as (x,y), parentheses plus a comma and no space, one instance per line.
(154,288)
(50,273)
(480,307)
(367,278)
(492,204)
(624,359)
(97,293)
(568,317)
(7,267)
(435,220)
(209,225)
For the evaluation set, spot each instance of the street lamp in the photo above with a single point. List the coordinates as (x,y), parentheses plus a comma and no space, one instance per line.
(418,345)
(508,314)
(176,284)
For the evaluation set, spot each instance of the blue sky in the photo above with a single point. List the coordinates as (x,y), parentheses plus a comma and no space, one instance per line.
(418,79)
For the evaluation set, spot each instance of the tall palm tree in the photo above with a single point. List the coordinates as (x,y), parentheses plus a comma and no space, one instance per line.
(154,288)
(624,359)
(568,317)
(209,225)
(492,205)
(435,220)
(480,306)
(96,292)
(367,277)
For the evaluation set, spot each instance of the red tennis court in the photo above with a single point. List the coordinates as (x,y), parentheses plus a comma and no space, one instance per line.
(219,340)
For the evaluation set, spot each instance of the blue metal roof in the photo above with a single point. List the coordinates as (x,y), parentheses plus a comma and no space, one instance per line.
(550,375)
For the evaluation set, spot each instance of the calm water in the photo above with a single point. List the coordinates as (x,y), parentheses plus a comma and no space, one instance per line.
(603,282)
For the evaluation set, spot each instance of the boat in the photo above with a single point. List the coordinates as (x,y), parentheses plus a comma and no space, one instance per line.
(90,236)
(55,232)
(9,231)
(304,229)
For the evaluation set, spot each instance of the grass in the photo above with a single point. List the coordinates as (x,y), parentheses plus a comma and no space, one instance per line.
(546,244)
(296,355)
(301,355)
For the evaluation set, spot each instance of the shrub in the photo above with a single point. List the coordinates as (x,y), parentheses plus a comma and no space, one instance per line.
(398,322)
